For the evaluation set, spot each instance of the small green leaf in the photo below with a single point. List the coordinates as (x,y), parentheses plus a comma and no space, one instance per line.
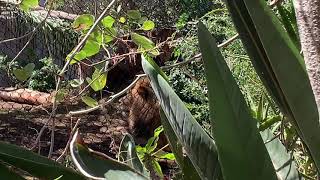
(111,32)
(169,156)
(24,73)
(134,14)
(142,19)
(89,101)
(91,48)
(156,166)
(142,41)
(122,20)
(83,22)
(148,25)
(98,80)
(26,5)
(29,67)
(108,39)
(96,36)
(108,21)
(158,131)
(60,95)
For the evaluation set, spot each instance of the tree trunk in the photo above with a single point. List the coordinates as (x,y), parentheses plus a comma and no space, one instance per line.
(308,20)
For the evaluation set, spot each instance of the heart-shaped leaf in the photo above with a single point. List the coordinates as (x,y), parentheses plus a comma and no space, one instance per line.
(24,73)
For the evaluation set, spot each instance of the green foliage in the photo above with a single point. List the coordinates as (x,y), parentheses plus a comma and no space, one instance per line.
(89,101)
(150,155)
(24,73)
(97,165)
(98,80)
(43,79)
(26,5)
(148,25)
(112,29)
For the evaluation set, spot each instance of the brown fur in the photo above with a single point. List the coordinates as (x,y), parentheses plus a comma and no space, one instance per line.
(144,115)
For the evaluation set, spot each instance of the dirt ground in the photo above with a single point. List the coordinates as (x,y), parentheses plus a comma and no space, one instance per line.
(101,130)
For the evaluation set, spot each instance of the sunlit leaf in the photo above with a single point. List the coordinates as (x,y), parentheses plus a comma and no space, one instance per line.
(122,19)
(91,48)
(169,156)
(108,21)
(98,81)
(83,22)
(148,25)
(26,5)
(144,43)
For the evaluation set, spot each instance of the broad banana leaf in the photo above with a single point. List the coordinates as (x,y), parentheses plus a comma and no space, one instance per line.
(242,153)
(35,164)
(280,66)
(199,146)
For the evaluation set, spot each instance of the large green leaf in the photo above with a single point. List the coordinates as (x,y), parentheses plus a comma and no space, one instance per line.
(35,164)
(282,160)
(199,146)
(188,170)
(241,150)
(6,173)
(279,63)
(97,165)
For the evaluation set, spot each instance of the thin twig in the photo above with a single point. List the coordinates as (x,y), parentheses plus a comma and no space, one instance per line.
(31,35)
(78,47)
(69,140)
(111,99)
(52,138)
(17,38)
(198,56)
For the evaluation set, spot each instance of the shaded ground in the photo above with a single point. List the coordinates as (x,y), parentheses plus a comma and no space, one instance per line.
(101,130)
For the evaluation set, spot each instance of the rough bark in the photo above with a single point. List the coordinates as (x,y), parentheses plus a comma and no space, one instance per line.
(308,20)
